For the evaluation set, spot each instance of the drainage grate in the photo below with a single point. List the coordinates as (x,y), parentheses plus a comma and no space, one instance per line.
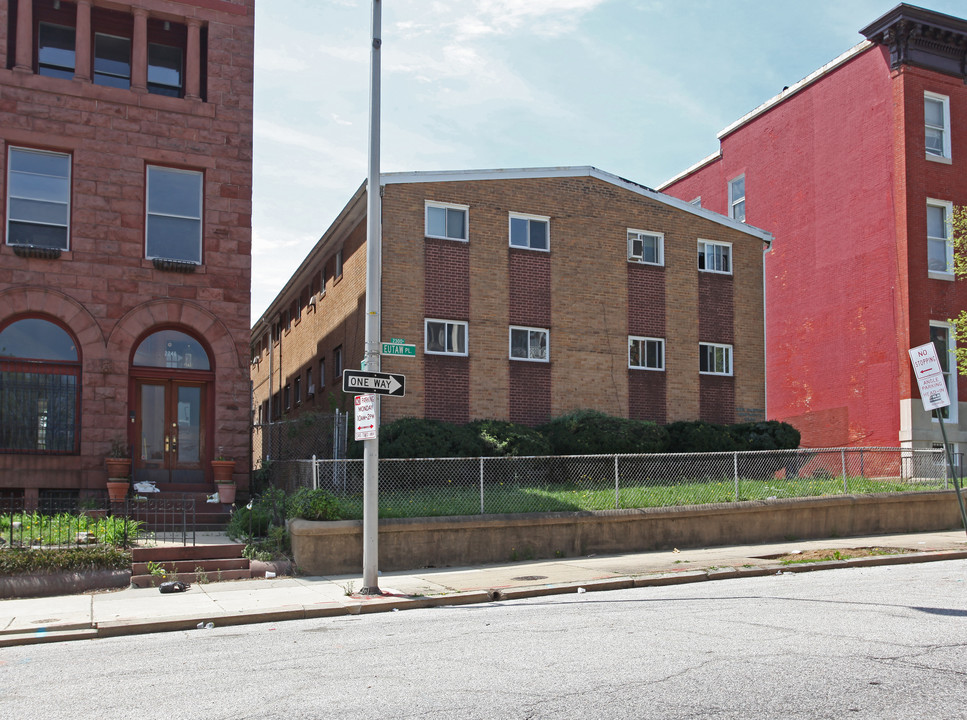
(531,577)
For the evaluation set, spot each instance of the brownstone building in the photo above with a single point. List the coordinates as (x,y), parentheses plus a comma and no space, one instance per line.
(528,293)
(126,174)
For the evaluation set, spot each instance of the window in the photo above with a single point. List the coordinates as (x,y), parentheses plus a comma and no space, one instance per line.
(446,221)
(936,121)
(714,256)
(287,397)
(40,388)
(55,50)
(445,337)
(737,198)
(529,231)
(646,353)
(714,359)
(298,390)
(171,349)
(174,203)
(942,336)
(112,60)
(646,247)
(165,74)
(322,281)
(529,344)
(337,362)
(940,248)
(338,271)
(310,388)
(322,373)
(38,198)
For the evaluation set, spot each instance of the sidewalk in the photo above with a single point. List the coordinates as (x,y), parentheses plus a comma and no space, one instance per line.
(134,610)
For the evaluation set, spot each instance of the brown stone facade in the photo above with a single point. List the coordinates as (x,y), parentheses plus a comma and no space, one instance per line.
(580,292)
(105,284)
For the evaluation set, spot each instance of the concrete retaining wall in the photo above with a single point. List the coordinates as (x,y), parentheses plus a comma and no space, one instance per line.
(62,583)
(335,548)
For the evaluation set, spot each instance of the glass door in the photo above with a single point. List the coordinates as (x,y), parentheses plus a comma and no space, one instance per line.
(169,432)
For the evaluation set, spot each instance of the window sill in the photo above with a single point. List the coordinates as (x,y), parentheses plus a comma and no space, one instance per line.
(714,272)
(530,360)
(713,374)
(529,249)
(939,159)
(636,261)
(934,275)
(440,237)
(640,367)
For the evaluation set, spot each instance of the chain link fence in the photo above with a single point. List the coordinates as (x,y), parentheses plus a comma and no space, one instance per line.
(469,486)
(277,447)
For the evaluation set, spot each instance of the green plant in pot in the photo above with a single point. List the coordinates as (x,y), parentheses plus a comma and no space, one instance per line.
(118,463)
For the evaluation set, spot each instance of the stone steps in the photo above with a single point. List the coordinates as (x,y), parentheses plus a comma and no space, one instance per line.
(193,564)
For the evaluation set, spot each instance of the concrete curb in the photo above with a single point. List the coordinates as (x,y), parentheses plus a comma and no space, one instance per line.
(359,605)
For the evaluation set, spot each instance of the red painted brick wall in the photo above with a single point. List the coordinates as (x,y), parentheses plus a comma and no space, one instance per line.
(820,175)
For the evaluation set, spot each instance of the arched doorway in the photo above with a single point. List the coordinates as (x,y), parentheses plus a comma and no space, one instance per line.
(171,377)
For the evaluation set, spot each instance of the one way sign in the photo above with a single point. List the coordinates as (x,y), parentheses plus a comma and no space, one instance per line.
(356,381)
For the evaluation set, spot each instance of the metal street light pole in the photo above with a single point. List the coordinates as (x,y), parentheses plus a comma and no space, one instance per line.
(373,299)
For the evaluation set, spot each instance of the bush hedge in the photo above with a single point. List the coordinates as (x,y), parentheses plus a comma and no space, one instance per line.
(582,432)
(14,561)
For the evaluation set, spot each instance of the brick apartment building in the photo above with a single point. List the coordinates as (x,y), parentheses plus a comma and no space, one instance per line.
(856,170)
(528,293)
(126,171)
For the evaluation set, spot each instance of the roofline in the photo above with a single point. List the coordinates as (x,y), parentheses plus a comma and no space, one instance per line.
(575,171)
(353,211)
(801,85)
(717,155)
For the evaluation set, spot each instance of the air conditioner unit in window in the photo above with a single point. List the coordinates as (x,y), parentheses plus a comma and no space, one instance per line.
(311,391)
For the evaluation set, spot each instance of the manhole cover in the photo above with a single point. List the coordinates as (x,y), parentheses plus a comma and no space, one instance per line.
(531,577)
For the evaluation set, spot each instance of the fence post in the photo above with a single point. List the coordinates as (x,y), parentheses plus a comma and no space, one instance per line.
(735,473)
(481,487)
(315,473)
(617,491)
(842,456)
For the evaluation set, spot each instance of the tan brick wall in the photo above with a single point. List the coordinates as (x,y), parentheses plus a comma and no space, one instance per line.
(589,219)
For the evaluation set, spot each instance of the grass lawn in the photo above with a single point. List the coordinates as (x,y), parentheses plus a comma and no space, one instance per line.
(513,498)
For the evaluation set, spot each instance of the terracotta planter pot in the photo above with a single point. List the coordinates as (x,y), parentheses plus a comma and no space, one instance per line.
(222,470)
(117,490)
(118,467)
(226,493)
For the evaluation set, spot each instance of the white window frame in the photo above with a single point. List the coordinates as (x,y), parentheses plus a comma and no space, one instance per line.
(643,354)
(951,375)
(714,348)
(726,253)
(465,209)
(450,325)
(948,208)
(637,235)
(945,130)
(735,200)
(65,202)
(322,373)
(530,331)
(529,218)
(337,270)
(149,214)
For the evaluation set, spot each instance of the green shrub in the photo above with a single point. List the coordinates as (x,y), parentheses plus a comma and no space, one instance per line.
(696,436)
(314,505)
(501,438)
(424,437)
(589,432)
(765,435)
(95,557)
(247,523)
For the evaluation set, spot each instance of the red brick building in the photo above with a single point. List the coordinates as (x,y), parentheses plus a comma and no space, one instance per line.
(126,174)
(528,293)
(855,170)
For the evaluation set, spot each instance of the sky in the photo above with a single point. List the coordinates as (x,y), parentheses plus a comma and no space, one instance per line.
(637,88)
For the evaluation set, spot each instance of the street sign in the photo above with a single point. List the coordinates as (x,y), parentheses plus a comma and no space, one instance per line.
(356,381)
(395,348)
(930,377)
(365,417)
